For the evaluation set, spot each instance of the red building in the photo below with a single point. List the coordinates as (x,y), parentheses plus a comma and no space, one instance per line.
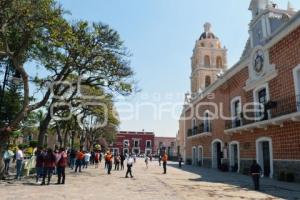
(133,142)
(218,125)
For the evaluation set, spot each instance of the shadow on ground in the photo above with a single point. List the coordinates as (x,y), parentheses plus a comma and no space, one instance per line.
(268,186)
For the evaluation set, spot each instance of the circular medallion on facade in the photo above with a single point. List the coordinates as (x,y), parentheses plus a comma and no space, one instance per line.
(258,61)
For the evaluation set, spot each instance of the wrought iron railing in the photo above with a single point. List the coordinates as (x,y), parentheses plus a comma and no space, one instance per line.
(271,109)
(202,128)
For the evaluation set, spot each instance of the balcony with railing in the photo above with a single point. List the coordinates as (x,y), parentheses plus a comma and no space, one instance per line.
(201,130)
(274,112)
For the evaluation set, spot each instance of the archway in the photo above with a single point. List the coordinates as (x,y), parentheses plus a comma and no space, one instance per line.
(234,156)
(264,155)
(217,146)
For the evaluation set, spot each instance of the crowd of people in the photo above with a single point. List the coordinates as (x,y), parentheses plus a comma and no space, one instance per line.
(49,162)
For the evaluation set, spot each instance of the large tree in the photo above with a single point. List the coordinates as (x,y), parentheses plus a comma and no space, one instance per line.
(94,57)
(25,26)
(35,30)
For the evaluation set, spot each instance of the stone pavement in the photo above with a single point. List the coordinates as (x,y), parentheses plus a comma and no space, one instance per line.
(149,184)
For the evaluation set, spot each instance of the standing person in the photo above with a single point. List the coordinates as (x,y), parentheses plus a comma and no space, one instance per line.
(151,157)
(72,158)
(255,171)
(61,161)
(92,160)
(79,160)
(8,154)
(96,159)
(49,166)
(19,164)
(87,157)
(39,166)
(180,161)
(134,158)
(117,162)
(101,156)
(130,162)
(109,159)
(122,159)
(159,160)
(165,159)
(146,161)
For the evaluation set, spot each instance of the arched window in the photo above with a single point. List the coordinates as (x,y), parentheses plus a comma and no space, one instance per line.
(207,81)
(206,61)
(219,62)
(207,122)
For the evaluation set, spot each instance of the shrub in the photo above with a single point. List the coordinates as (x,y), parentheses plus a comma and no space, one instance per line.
(290,177)
(281,176)
(224,167)
(188,161)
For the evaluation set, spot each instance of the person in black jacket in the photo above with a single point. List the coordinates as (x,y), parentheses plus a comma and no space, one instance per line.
(255,171)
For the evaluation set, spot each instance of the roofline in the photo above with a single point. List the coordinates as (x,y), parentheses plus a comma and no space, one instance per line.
(278,35)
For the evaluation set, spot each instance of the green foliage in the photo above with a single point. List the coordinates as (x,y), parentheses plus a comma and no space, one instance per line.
(33,143)
(23,146)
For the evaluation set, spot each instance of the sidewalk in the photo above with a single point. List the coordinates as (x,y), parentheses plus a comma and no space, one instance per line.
(268,186)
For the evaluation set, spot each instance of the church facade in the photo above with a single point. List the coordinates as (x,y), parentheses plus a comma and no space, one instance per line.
(252,110)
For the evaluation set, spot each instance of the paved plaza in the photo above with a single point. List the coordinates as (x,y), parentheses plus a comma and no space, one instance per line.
(190,183)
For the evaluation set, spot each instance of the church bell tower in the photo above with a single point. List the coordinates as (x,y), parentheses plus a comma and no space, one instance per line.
(208,61)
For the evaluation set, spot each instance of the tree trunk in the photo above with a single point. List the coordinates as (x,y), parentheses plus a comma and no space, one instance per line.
(66,139)
(43,129)
(59,135)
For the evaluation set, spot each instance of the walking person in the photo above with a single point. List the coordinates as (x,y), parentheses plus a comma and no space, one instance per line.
(165,159)
(39,166)
(61,161)
(79,160)
(49,166)
(159,160)
(130,162)
(255,171)
(146,161)
(180,161)
(109,160)
(72,158)
(122,159)
(8,154)
(117,162)
(19,164)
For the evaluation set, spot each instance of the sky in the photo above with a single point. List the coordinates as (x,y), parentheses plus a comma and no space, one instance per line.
(160,35)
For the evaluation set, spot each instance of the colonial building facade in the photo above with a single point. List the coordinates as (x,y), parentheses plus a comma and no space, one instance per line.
(251,111)
(129,142)
(165,144)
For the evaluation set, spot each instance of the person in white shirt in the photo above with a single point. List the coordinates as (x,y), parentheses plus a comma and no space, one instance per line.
(87,158)
(19,164)
(8,154)
(130,162)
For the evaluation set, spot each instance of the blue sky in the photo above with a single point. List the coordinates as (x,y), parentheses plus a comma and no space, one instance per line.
(161,35)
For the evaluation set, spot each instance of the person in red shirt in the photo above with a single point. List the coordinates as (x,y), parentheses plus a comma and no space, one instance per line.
(61,162)
(49,165)
(79,160)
